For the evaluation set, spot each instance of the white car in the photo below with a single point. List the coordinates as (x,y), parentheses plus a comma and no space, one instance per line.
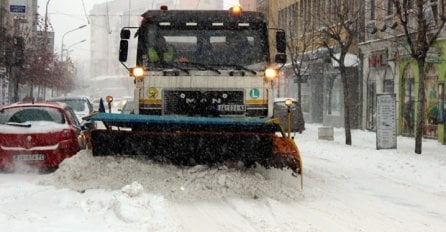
(79,104)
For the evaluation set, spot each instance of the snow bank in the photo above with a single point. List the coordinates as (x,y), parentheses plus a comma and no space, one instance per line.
(83,172)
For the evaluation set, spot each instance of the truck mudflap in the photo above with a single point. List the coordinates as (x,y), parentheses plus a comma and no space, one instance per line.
(184,140)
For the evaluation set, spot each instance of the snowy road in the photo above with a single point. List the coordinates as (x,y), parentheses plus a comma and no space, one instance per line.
(346,188)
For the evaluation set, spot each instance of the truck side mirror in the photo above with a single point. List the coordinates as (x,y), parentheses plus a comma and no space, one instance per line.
(280,58)
(125,34)
(123,50)
(280,41)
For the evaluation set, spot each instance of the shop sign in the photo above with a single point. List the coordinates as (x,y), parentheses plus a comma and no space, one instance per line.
(378,59)
(432,57)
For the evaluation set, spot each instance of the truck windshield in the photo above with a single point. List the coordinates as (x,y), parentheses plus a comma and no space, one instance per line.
(219,48)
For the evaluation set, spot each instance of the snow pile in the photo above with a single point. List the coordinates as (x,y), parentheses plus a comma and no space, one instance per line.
(83,172)
(346,188)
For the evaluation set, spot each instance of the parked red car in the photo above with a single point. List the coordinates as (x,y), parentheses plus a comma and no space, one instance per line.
(38,134)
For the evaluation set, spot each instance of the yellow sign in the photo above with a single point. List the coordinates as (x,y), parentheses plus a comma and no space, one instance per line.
(152,92)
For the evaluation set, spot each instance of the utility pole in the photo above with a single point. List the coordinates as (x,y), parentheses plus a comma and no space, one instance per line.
(2,35)
(3,94)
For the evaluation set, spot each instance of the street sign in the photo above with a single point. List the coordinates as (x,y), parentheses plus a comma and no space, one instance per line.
(17,9)
(18,6)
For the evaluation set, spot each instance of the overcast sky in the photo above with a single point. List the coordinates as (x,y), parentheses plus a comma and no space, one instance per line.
(67,15)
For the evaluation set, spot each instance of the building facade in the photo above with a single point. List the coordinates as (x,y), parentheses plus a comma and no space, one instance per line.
(19,31)
(388,68)
(318,79)
(248,5)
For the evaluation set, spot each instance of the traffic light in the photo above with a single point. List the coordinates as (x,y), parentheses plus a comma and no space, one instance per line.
(18,50)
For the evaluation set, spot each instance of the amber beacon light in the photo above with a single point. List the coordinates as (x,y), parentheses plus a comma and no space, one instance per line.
(236,10)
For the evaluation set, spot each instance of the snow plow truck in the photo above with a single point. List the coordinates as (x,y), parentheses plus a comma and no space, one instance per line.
(206,97)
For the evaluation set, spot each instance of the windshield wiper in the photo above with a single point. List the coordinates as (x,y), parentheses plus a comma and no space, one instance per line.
(202,66)
(239,67)
(18,124)
(170,65)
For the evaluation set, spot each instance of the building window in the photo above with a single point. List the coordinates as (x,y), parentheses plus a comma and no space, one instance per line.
(371,31)
(389,7)
(334,91)
(408,102)
(306,103)
(431,111)
(371,106)
(282,19)
(431,14)
(409,4)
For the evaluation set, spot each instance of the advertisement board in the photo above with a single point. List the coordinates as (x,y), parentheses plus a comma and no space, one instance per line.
(386,121)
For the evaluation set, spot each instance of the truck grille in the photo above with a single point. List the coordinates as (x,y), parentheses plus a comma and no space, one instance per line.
(207,103)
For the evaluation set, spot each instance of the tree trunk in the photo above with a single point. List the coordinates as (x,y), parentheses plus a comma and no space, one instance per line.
(331,81)
(15,79)
(299,93)
(420,107)
(348,135)
(31,90)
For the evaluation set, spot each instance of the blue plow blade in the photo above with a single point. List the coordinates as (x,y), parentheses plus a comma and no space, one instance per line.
(187,140)
(177,122)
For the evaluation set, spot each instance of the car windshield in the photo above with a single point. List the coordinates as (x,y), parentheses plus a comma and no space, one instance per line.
(29,114)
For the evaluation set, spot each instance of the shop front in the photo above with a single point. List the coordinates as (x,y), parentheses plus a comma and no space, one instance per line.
(434,101)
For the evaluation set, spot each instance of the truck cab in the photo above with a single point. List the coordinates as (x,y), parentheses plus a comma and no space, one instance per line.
(216,65)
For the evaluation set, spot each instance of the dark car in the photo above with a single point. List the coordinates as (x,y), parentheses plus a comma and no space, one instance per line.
(280,111)
(38,134)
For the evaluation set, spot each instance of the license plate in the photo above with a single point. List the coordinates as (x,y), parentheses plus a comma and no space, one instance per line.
(29,157)
(232,108)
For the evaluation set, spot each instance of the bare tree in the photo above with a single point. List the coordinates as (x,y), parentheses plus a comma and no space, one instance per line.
(300,40)
(35,63)
(422,25)
(339,33)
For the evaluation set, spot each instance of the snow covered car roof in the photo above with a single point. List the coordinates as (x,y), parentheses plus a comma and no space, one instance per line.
(39,115)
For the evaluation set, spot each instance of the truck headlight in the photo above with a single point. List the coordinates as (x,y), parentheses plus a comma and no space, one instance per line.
(271,73)
(136,72)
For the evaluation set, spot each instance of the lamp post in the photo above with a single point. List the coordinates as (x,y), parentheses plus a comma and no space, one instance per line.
(46,15)
(288,103)
(63,37)
(72,45)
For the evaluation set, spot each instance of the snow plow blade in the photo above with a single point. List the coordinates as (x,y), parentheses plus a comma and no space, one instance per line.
(183,140)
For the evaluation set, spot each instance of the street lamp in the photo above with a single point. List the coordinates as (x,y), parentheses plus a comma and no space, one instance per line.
(46,15)
(72,45)
(61,47)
